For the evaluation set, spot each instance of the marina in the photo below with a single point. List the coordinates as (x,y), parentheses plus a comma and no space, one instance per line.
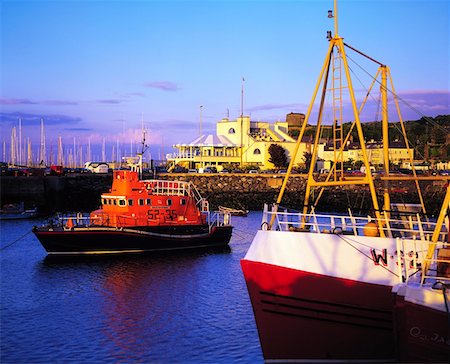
(280,231)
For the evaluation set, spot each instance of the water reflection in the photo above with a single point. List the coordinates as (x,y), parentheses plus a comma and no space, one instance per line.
(146,301)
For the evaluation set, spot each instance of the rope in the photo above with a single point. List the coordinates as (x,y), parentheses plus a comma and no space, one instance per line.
(15,241)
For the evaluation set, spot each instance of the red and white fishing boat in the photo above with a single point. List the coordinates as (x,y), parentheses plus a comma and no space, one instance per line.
(139,216)
(320,284)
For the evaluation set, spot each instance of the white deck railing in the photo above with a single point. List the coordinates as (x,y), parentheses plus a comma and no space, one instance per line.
(412,257)
(406,227)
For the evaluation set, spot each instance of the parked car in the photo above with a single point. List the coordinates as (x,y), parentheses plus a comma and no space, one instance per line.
(253,171)
(179,169)
(192,170)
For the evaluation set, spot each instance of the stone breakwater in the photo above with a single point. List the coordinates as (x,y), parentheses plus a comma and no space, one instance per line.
(242,191)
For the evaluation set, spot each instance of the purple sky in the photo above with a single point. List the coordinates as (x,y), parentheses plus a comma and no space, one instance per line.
(96,69)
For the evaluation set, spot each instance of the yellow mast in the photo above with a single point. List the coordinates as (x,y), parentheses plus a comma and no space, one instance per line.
(385,133)
(335,42)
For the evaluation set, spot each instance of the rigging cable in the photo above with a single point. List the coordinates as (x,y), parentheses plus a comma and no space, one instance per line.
(437,125)
(373,98)
(15,241)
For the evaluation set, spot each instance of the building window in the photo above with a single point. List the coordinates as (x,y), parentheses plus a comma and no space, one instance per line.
(231,131)
(256,151)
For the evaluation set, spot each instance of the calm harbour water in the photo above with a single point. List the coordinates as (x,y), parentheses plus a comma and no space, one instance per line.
(178,307)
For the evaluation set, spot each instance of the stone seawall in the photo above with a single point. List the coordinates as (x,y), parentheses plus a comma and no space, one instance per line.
(243,191)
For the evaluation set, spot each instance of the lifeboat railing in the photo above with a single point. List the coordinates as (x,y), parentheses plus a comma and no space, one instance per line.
(407,227)
(68,221)
(219,218)
(169,188)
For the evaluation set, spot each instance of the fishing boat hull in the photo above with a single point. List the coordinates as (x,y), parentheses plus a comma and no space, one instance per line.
(311,303)
(98,240)
(422,324)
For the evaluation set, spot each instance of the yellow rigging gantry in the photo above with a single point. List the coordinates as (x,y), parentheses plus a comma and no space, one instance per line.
(336,60)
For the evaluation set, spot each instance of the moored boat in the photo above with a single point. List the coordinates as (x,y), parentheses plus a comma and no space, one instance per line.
(17,212)
(321,284)
(233,212)
(139,216)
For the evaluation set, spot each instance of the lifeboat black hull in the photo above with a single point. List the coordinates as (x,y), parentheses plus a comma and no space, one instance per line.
(98,240)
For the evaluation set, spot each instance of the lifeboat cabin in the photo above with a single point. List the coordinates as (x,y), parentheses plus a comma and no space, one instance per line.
(134,202)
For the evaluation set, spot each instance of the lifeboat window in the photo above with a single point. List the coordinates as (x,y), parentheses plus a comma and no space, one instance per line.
(141,202)
(183,202)
(231,131)
(121,202)
(115,202)
(256,151)
(104,201)
(149,201)
(130,202)
(169,202)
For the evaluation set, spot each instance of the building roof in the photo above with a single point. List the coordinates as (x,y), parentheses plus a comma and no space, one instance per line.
(210,141)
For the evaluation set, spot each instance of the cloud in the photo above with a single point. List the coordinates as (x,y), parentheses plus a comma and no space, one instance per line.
(32,102)
(174,124)
(110,101)
(427,101)
(162,85)
(80,129)
(16,102)
(35,119)
(265,107)
(59,102)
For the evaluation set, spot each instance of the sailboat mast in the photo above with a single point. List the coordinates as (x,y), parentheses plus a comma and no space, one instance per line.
(20,141)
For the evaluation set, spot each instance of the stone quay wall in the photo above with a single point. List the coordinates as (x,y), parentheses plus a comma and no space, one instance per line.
(241,191)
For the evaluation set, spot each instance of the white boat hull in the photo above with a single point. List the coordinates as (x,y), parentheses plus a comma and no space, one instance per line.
(322,296)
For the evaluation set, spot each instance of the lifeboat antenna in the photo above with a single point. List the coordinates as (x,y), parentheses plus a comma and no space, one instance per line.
(144,148)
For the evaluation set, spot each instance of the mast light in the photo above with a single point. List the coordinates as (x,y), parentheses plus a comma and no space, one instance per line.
(330,14)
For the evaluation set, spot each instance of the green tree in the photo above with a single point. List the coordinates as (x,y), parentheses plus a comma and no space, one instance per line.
(278,156)
(307,157)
